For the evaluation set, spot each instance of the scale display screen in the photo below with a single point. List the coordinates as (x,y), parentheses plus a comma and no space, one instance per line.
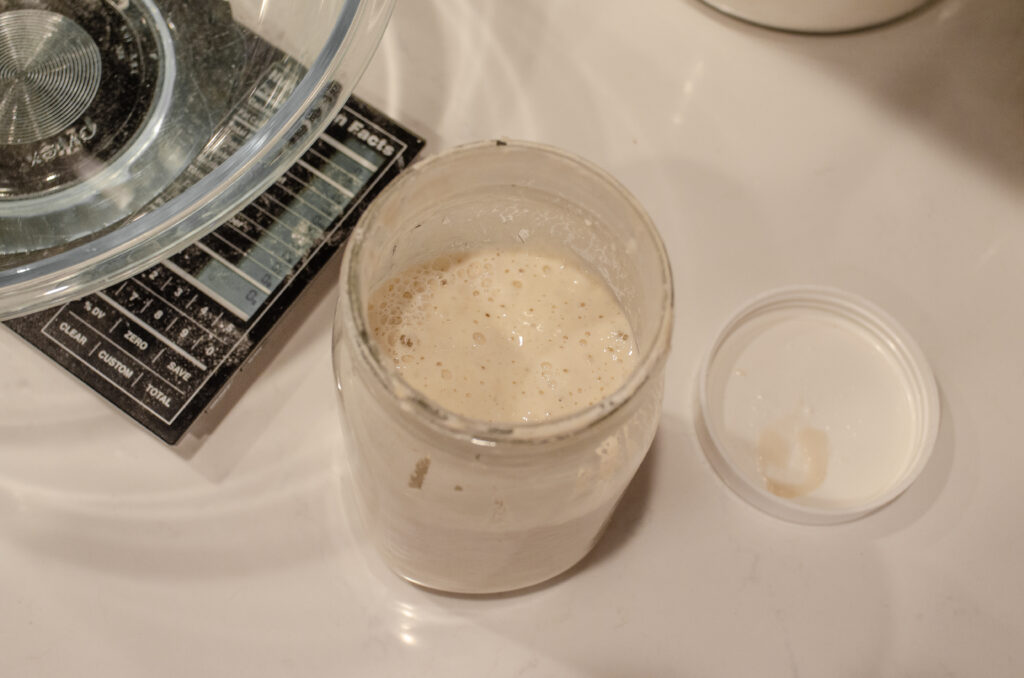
(161,345)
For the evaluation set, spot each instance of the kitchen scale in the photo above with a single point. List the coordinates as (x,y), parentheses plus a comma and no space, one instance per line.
(92,89)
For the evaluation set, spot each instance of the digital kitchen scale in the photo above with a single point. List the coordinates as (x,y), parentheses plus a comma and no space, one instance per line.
(162,344)
(112,111)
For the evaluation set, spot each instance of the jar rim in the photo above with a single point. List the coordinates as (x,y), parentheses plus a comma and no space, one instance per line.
(482,433)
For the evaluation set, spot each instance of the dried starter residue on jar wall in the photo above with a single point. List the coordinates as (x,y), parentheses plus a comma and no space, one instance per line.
(419,473)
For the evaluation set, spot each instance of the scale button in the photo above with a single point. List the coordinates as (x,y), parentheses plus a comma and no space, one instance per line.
(210,315)
(71,333)
(187,334)
(156,277)
(133,297)
(158,396)
(159,316)
(116,365)
(178,370)
(95,312)
(181,294)
(136,341)
(209,350)
(205,317)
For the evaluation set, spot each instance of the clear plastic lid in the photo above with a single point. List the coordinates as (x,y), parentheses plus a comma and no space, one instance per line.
(816,406)
(128,128)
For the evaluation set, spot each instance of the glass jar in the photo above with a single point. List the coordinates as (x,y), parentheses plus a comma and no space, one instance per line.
(470,506)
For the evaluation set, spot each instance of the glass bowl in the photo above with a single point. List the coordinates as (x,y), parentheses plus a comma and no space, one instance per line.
(129,128)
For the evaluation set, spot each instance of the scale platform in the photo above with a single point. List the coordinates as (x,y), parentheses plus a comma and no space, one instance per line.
(163,344)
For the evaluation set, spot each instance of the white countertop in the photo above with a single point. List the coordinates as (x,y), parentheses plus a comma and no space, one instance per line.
(889,163)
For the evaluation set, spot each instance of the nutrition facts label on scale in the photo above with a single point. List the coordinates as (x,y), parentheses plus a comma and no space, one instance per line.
(162,345)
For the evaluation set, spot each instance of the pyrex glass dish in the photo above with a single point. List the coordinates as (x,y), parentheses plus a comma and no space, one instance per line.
(129,128)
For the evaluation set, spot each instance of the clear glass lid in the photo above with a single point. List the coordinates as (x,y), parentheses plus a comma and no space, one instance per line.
(129,128)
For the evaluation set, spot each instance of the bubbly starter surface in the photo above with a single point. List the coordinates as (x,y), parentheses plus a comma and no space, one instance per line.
(504,335)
